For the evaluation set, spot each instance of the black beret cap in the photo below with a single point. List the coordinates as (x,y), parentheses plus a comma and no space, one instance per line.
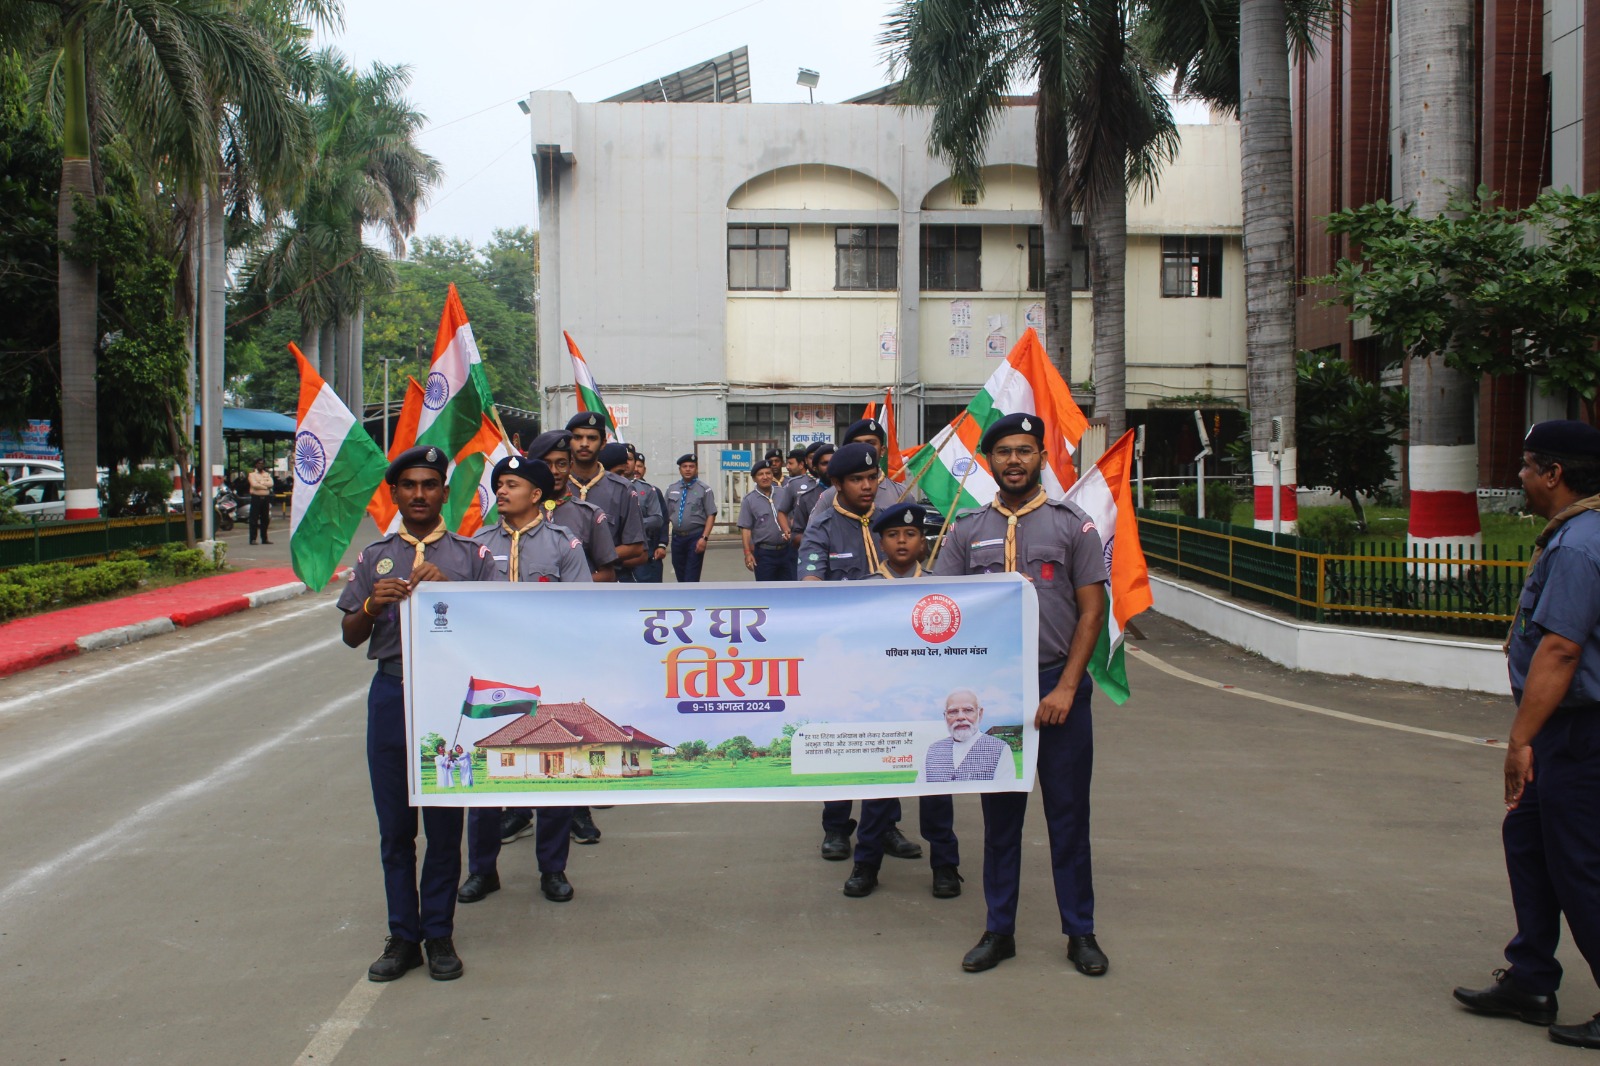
(613,454)
(853,459)
(430,457)
(555,440)
(901,514)
(639,456)
(811,449)
(822,448)
(1010,426)
(687,457)
(632,451)
(863,428)
(754,470)
(774,454)
(534,471)
(1563,437)
(587,420)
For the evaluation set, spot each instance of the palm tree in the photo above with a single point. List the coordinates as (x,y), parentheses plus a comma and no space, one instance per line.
(1234,54)
(1102,127)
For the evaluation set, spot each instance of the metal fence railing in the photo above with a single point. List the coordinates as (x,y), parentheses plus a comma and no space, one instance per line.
(1465,591)
(57,541)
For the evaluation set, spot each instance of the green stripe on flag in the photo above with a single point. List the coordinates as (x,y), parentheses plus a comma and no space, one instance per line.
(464,482)
(1108,665)
(338,504)
(497,710)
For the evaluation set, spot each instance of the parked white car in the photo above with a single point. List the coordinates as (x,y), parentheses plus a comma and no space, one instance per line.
(40,496)
(12,468)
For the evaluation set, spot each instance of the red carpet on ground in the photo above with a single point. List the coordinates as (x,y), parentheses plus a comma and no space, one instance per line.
(44,638)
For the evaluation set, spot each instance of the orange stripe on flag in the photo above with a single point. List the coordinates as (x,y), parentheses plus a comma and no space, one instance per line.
(450,322)
(1130,575)
(310,383)
(1053,400)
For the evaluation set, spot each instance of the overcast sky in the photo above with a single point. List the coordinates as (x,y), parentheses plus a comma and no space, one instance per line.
(484,55)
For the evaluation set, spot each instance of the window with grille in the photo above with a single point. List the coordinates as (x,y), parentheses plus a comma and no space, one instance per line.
(758,257)
(866,257)
(1080,259)
(951,258)
(1191,266)
(758,422)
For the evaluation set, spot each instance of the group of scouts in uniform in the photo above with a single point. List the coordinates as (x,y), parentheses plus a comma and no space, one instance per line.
(575,508)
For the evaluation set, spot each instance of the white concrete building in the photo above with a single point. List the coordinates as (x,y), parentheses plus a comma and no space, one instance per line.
(751,274)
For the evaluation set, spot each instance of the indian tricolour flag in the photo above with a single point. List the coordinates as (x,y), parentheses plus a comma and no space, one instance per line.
(382,506)
(337,466)
(957,475)
(588,392)
(492,699)
(474,466)
(1103,494)
(456,394)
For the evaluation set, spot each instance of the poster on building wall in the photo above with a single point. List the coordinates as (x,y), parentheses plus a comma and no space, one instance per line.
(961,344)
(997,345)
(888,345)
(809,424)
(31,442)
(619,414)
(725,691)
(1033,318)
(961,313)
(707,427)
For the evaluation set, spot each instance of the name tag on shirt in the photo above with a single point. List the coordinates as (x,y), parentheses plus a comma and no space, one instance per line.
(987,543)
(841,555)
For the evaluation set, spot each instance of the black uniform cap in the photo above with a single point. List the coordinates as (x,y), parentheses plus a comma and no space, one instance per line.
(901,514)
(1579,440)
(587,420)
(430,457)
(555,440)
(687,457)
(854,458)
(823,448)
(864,427)
(774,454)
(754,470)
(613,454)
(534,471)
(811,449)
(1010,426)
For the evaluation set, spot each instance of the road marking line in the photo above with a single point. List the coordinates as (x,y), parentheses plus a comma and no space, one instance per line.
(333,1034)
(1167,668)
(119,834)
(19,702)
(19,767)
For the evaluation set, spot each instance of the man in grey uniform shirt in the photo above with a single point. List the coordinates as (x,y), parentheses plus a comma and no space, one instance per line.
(583,519)
(612,494)
(1058,549)
(691,508)
(765,529)
(870,431)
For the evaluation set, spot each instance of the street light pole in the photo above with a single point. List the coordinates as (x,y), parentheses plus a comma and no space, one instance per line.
(385,361)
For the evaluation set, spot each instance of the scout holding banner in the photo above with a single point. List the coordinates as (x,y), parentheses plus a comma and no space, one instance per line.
(724,691)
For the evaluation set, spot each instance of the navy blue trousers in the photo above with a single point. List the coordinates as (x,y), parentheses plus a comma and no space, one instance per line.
(552,838)
(431,912)
(1065,767)
(649,573)
(773,564)
(936,823)
(836,814)
(1552,843)
(686,562)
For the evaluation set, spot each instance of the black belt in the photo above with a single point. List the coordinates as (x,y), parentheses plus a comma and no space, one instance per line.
(1062,665)
(392,667)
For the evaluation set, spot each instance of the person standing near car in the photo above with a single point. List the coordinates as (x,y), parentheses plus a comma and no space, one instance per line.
(260,502)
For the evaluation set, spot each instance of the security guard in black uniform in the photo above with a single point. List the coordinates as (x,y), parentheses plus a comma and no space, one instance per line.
(386,573)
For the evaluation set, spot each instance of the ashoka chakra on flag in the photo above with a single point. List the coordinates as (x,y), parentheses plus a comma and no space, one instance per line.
(498,695)
(310,460)
(437,392)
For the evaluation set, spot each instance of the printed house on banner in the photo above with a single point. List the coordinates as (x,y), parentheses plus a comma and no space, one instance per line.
(568,740)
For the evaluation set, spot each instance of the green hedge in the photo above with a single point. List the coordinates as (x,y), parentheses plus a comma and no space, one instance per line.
(35,588)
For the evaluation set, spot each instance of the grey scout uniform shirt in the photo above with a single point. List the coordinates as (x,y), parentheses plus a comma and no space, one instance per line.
(697,503)
(547,552)
(649,509)
(1058,548)
(614,495)
(457,557)
(758,513)
(588,523)
(797,500)
(833,548)
(1562,596)
(887,495)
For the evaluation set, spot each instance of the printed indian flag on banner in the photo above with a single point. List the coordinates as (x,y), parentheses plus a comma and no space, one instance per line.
(956,476)
(588,392)
(492,699)
(1103,494)
(456,394)
(336,466)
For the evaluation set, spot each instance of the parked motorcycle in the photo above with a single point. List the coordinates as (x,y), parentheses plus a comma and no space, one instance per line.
(226,507)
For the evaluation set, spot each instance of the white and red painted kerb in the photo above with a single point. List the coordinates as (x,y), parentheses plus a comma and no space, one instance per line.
(1261,475)
(1444,497)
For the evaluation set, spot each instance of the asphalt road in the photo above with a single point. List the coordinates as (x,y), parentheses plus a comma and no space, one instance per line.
(191,876)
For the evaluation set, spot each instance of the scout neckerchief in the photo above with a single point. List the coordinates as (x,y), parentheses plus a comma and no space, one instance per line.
(1571,511)
(769,496)
(683,501)
(421,545)
(916,571)
(516,535)
(1011,516)
(584,487)
(870,547)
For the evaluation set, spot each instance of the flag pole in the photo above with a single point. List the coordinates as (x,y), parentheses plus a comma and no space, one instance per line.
(939,540)
(494,413)
(949,431)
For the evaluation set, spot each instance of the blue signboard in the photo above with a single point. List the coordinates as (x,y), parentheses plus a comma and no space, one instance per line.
(737,458)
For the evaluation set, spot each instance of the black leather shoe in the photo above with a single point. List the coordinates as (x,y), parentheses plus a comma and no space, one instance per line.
(1085,952)
(584,831)
(1585,1035)
(399,956)
(443,962)
(946,882)
(836,844)
(991,950)
(896,844)
(1505,997)
(863,879)
(478,886)
(555,887)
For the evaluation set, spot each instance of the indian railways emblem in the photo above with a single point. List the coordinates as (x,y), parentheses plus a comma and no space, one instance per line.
(936,618)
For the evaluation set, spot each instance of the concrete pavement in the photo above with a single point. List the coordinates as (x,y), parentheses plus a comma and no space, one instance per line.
(192,876)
